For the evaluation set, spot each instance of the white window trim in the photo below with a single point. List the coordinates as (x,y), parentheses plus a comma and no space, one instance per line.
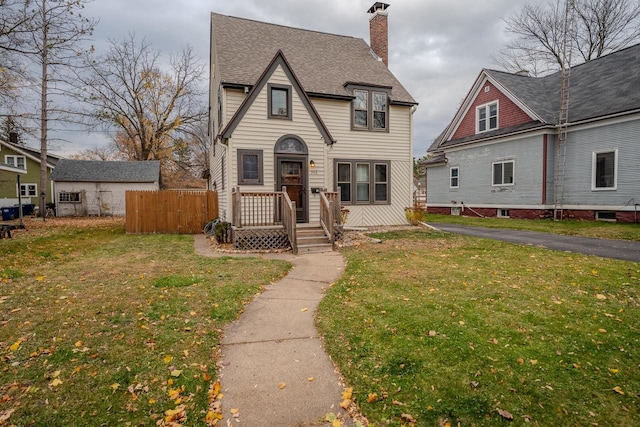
(514,173)
(451,176)
(26,187)
(594,156)
(500,212)
(487,107)
(14,161)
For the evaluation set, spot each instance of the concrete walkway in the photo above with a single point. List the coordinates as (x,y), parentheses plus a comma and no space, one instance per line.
(275,371)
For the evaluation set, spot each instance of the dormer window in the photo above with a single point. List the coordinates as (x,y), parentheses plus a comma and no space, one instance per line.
(370,109)
(487,117)
(279,101)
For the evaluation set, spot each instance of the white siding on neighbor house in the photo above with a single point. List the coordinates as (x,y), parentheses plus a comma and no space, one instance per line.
(395,146)
(218,182)
(475,185)
(97,198)
(581,144)
(257,132)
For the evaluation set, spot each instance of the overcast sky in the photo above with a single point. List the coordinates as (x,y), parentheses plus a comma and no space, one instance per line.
(436,48)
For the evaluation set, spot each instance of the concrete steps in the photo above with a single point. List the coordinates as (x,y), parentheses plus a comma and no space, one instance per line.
(312,240)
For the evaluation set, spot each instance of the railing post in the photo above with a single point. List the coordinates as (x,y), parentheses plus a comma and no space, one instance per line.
(237,209)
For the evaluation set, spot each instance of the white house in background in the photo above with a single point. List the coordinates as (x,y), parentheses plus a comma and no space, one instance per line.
(97,188)
(312,112)
(500,155)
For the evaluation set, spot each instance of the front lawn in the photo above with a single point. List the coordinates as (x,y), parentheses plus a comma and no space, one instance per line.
(597,229)
(103,328)
(436,329)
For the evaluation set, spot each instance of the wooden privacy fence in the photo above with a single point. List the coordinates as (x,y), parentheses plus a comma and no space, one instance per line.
(173,212)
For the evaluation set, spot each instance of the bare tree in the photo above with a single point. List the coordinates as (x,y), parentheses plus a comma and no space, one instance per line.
(128,89)
(50,34)
(98,153)
(600,27)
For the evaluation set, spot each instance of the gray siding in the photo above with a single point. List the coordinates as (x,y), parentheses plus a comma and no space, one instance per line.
(623,137)
(475,172)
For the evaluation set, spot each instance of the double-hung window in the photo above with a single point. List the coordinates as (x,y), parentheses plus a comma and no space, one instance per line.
(503,172)
(279,101)
(604,170)
(250,167)
(363,181)
(16,161)
(454,177)
(487,117)
(29,190)
(370,110)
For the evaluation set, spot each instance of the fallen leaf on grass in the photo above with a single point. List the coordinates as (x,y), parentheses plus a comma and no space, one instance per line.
(176,373)
(4,415)
(372,397)
(600,296)
(346,394)
(618,390)
(281,386)
(408,418)
(345,403)
(505,414)
(55,383)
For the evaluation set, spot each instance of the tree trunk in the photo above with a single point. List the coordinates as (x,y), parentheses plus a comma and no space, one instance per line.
(43,117)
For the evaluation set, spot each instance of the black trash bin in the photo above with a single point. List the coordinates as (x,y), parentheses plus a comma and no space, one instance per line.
(27,209)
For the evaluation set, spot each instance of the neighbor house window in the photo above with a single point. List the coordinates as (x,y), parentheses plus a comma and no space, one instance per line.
(363,181)
(503,173)
(69,197)
(487,117)
(279,101)
(29,190)
(605,170)
(454,175)
(370,110)
(503,213)
(15,161)
(250,167)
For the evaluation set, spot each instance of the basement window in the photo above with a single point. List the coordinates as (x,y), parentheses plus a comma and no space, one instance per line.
(503,213)
(455,211)
(605,216)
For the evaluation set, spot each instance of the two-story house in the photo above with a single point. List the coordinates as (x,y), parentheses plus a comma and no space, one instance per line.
(506,152)
(309,113)
(28,160)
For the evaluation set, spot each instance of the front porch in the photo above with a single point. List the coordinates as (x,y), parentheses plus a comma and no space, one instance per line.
(267,221)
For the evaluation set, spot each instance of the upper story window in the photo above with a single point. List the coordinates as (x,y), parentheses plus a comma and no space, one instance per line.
(604,170)
(370,110)
(16,161)
(29,190)
(503,172)
(279,101)
(487,117)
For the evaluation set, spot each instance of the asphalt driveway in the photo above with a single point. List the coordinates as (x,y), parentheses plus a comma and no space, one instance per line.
(606,248)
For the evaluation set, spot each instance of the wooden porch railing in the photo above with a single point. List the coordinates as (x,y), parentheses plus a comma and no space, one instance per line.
(327,217)
(332,196)
(257,208)
(265,209)
(289,220)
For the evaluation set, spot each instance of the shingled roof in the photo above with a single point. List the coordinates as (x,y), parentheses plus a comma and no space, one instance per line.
(602,87)
(103,171)
(324,63)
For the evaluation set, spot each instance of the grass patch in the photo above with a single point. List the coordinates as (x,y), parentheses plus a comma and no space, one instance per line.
(177,281)
(103,328)
(451,328)
(597,229)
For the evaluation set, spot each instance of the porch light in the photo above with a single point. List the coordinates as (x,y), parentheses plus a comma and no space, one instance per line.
(312,164)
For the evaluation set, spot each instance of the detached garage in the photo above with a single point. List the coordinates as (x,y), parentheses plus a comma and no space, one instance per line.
(97,188)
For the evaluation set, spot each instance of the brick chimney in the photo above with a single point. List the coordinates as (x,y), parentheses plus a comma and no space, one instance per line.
(379,31)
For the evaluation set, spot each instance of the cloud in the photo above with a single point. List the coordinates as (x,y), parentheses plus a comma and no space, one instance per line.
(436,48)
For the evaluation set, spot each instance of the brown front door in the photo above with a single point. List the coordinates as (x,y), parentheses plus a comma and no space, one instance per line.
(292,175)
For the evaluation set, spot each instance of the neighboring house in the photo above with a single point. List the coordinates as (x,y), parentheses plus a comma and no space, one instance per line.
(28,160)
(97,188)
(501,155)
(312,112)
